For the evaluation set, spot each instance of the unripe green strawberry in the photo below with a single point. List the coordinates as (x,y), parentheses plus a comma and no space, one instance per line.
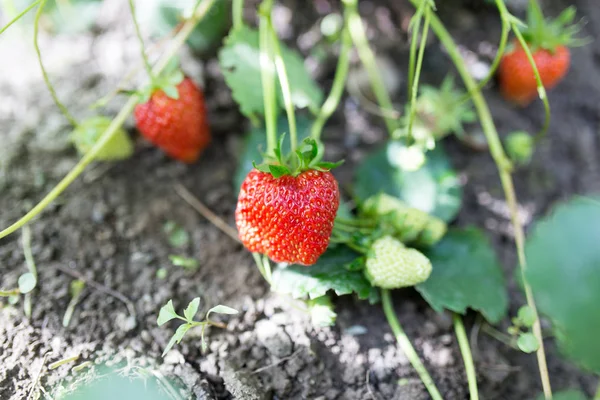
(391,265)
(410,224)
(87,133)
(433,232)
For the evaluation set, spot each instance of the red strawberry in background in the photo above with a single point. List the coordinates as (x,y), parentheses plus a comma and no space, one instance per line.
(174,118)
(289,218)
(548,41)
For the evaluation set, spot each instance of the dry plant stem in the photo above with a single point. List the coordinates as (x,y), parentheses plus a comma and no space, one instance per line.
(465,350)
(339,81)
(100,287)
(36,27)
(367,57)
(15,19)
(116,123)
(206,212)
(407,347)
(38,376)
(504,169)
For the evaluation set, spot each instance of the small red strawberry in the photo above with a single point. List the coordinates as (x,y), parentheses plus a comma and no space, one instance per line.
(289,218)
(174,119)
(548,41)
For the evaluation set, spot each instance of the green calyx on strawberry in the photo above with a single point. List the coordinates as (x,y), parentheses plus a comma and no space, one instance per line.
(391,265)
(86,134)
(308,157)
(407,223)
(549,34)
(167,81)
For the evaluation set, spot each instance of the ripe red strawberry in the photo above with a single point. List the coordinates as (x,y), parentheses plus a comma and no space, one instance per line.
(517,79)
(178,126)
(548,41)
(289,218)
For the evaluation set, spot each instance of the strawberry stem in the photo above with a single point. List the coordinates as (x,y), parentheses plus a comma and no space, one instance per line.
(18,17)
(540,86)
(367,57)
(339,81)
(504,168)
(285,86)
(465,350)
(141,41)
(417,72)
(506,27)
(117,122)
(237,13)
(267,75)
(36,27)
(406,346)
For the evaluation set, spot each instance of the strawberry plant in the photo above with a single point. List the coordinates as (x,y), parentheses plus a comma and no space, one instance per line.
(391,227)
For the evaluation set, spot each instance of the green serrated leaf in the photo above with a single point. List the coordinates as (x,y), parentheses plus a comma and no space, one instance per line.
(565,395)
(329,273)
(176,338)
(166,313)
(256,142)
(190,312)
(434,188)
(563,270)
(221,309)
(27,282)
(527,342)
(240,63)
(526,316)
(466,274)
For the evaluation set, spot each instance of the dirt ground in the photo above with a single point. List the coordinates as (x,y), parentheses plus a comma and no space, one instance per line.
(108,227)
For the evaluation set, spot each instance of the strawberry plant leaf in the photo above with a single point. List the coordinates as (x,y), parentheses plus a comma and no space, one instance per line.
(329,273)
(166,313)
(526,316)
(527,342)
(466,274)
(190,312)
(240,63)
(434,188)
(221,309)
(27,282)
(256,143)
(565,395)
(160,17)
(177,336)
(563,270)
